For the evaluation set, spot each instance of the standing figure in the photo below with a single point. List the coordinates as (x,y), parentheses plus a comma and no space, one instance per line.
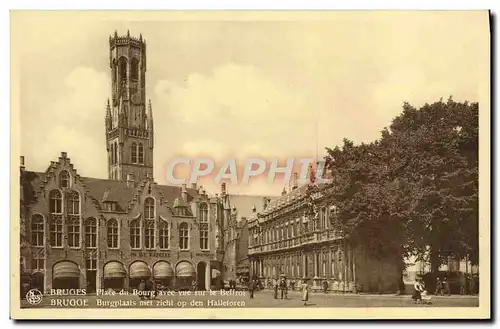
(446,287)
(283,289)
(251,288)
(325,287)
(276,285)
(305,291)
(439,287)
(417,294)
(141,288)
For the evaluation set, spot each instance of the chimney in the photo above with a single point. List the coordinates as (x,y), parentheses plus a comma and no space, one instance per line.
(295,181)
(264,203)
(64,155)
(184,193)
(193,186)
(283,192)
(22,162)
(254,209)
(223,189)
(130,180)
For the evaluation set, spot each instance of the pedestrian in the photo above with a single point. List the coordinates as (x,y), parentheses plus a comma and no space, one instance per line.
(446,287)
(283,289)
(142,288)
(251,288)
(463,283)
(276,286)
(325,287)
(305,291)
(417,294)
(439,287)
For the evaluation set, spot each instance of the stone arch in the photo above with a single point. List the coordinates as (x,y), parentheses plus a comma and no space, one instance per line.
(66,275)
(184,274)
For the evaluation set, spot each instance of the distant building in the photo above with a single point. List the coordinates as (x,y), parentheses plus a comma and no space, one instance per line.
(293,236)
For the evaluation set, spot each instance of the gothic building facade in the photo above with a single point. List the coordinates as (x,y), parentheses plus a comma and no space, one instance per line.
(83,232)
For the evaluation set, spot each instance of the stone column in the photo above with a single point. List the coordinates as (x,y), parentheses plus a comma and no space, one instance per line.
(208,276)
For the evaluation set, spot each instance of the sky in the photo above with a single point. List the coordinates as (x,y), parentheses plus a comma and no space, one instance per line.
(237,87)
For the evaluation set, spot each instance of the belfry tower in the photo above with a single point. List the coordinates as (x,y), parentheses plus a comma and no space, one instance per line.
(129,120)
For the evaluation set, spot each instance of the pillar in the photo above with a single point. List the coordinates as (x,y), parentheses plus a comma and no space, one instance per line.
(208,276)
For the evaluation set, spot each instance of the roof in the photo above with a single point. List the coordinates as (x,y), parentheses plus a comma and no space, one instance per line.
(245,203)
(105,190)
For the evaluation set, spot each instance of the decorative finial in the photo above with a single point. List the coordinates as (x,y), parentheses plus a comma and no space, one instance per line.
(128,33)
(140,36)
(116,34)
(108,102)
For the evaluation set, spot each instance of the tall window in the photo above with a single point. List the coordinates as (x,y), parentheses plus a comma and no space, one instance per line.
(133,151)
(55,205)
(74,232)
(149,209)
(204,237)
(324,218)
(37,227)
(112,154)
(91,233)
(150,234)
(91,263)
(184,236)
(203,213)
(141,153)
(112,233)
(164,231)
(123,67)
(64,179)
(116,152)
(56,233)
(134,68)
(73,203)
(135,234)
(37,262)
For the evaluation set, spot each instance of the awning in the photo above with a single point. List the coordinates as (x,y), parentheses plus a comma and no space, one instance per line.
(139,270)
(162,270)
(215,273)
(65,269)
(184,269)
(114,270)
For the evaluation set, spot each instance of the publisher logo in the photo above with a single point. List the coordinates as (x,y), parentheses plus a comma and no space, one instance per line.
(34,297)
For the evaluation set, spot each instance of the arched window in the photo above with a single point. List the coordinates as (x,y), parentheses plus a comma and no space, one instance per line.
(64,179)
(149,209)
(164,231)
(116,152)
(37,231)
(203,213)
(112,154)
(133,151)
(204,237)
(73,203)
(150,234)
(141,153)
(135,234)
(134,68)
(91,233)
(56,233)
(112,233)
(123,67)
(55,205)
(74,233)
(184,236)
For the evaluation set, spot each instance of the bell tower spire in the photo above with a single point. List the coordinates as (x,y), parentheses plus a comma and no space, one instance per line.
(129,135)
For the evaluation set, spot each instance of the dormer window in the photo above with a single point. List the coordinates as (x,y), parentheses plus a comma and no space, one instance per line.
(64,179)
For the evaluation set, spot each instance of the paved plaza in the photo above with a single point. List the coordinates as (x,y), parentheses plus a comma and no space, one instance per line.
(262,299)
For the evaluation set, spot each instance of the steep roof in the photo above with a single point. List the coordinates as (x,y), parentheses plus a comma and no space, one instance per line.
(245,203)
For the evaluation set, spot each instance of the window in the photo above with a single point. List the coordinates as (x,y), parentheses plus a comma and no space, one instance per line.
(150,234)
(149,209)
(135,234)
(141,153)
(64,179)
(37,228)
(37,262)
(112,233)
(203,213)
(112,154)
(123,67)
(204,237)
(73,203)
(164,231)
(116,152)
(184,236)
(91,233)
(56,233)
(74,233)
(133,150)
(324,218)
(91,263)
(55,202)
(134,68)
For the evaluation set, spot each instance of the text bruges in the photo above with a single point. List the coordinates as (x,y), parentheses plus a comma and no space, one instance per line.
(68,292)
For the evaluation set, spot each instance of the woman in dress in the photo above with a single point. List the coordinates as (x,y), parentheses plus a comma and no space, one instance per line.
(305,292)
(417,294)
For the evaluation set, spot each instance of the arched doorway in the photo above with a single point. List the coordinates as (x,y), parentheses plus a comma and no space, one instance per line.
(200,274)
(184,275)
(65,275)
(138,271)
(114,275)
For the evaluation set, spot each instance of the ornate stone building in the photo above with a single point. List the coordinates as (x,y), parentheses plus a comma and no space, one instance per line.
(82,232)
(294,236)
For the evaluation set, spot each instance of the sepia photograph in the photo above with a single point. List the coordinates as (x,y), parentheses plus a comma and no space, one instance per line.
(250,165)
